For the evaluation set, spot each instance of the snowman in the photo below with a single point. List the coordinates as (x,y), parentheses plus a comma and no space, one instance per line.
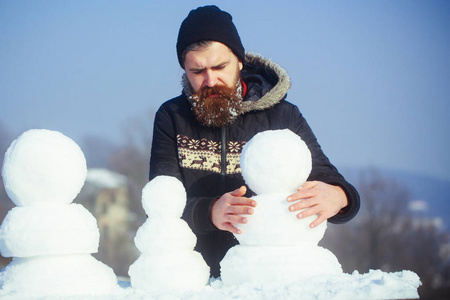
(49,237)
(168,260)
(274,244)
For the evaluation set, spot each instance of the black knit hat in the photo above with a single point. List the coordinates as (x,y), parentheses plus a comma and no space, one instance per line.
(209,23)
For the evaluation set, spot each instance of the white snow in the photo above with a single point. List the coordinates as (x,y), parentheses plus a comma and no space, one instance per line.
(372,285)
(104,178)
(168,260)
(162,196)
(57,275)
(274,164)
(283,229)
(43,166)
(48,229)
(264,264)
(274,243)
(269,169)
(171,235)
(51,239)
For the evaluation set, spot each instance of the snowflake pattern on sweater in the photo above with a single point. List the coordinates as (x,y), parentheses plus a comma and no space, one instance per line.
(204,154)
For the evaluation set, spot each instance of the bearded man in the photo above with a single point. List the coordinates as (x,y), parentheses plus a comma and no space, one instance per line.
(228,97)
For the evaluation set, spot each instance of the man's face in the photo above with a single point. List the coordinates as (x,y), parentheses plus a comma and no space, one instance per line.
(213,65)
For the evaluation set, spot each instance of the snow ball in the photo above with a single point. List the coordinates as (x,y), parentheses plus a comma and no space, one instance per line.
(43,166)
(266,264)
(61,275)
(164,235)
(164,196)
(48,230)
(283,229)
(275,161)
(167,272)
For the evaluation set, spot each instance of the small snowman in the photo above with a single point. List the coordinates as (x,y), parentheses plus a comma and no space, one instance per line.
(49,237)
(274,244)
(168,260)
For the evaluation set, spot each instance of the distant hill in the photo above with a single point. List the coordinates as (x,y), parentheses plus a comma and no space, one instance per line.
(435,192)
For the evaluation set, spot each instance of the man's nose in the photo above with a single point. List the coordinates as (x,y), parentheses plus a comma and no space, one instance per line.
(210,79)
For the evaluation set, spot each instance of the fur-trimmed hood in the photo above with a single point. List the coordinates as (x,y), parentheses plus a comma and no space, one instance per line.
(274,87)
(273,74)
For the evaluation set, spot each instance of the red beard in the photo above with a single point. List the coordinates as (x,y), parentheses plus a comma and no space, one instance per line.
(217,106)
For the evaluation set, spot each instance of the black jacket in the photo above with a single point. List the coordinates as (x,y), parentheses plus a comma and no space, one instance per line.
(206,159)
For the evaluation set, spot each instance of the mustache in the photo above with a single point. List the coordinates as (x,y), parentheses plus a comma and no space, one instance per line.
(221,91)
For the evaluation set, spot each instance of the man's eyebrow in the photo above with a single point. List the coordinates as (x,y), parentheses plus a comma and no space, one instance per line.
(221,64)
(196,69)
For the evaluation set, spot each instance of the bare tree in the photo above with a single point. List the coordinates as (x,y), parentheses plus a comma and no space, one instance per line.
(386,235)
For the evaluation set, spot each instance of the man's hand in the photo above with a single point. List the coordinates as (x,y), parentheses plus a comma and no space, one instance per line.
(318,198)
(227,209)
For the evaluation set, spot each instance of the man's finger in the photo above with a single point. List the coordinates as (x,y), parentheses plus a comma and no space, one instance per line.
(231,228)
(308,212)
(318,221)
(243,201)
(308,185)
(236,219)
(301,194)
(239,192)
(240,210)
(302,204)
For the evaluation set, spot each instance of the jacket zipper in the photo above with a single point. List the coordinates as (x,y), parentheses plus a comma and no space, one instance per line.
(223,159)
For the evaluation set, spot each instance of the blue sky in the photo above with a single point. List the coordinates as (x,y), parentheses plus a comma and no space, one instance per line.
(371,77)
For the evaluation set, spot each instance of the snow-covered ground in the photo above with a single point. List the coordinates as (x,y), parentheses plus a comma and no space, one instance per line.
(373,285)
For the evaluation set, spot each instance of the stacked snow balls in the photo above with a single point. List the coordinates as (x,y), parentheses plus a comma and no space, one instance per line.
(274,244)
(168,260)
(49,237)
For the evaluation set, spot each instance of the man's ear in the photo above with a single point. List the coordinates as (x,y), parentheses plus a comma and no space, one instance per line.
(241,65)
